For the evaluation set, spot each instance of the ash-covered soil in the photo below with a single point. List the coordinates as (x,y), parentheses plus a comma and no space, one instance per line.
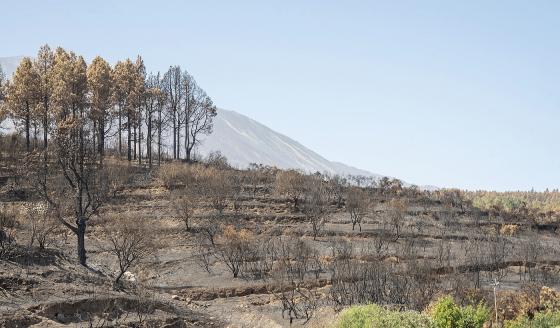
(48,288)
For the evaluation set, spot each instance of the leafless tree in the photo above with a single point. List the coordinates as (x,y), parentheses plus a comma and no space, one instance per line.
(185,203)
(130,242)
(475,255)
(298,302)
(397,211)
(218,187)
(173,87)
(378,245)
(8,223)
(314,205)
(531,250)
(42,225)
(233,247)
(203,254)
(210,226)
(291,184)
(199,111)
(338,185)
(357,204)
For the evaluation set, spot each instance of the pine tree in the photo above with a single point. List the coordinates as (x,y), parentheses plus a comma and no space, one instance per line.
(174,91)
(72,144)
(139,101)
(21,97)
(43,67)
(160,117)
(153,101)
(100,83)
(125,83)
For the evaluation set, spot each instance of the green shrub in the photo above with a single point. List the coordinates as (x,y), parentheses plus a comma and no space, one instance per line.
(375,316)
(446,314)
(540,320)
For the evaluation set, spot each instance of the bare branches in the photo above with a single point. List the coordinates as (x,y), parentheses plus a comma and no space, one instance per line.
(356,205)
(130,243)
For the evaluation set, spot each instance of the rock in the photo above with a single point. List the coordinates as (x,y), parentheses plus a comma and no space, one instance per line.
(175,297)
(129,276)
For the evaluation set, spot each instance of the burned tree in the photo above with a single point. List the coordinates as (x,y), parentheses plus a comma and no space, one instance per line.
(397,211)
(314,205)
(291,184)
(338,185)
(185,203)
(76,186)
(233,248)
(299,300)
(130,243)
(199,112)
(357,205)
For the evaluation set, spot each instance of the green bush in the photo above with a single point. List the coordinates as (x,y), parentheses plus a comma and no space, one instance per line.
(446,314)
(540,320)
(375,316)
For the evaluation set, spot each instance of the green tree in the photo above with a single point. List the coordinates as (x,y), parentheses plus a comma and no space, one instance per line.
(447,314)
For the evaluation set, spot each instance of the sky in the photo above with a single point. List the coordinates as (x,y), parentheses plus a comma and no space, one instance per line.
(459,94)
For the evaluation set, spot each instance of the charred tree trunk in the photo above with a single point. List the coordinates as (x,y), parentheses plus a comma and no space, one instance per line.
(149,140)
(129,135)
(159,138)
(174,137)
(134,142)
(27,128)
(120,132)
(101,141)
(81,234)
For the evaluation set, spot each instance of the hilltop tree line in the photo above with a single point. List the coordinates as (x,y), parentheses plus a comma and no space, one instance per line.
(75,108)
(122,103)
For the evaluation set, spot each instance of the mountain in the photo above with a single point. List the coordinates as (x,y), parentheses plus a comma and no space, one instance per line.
(244,141)
(9,64)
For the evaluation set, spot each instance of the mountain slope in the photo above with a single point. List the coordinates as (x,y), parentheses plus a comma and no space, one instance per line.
(9,64)
(244,141)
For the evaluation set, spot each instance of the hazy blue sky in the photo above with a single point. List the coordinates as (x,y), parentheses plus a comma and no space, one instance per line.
(447,93)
